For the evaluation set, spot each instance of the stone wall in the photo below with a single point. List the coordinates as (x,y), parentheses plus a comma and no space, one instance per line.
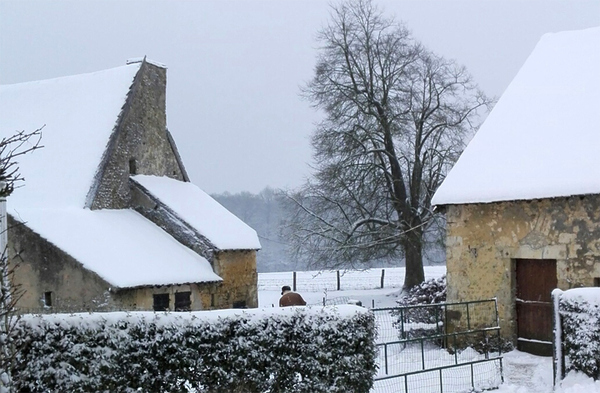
(42,267)
(201,295)
(140,144)
(483,241)
(238,271)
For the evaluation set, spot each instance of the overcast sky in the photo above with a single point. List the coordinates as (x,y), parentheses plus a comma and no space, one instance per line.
(235,67)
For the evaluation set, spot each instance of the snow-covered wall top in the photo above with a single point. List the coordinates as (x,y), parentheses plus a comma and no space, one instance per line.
(542,139)
(121,246)
(201,211)
(79,113)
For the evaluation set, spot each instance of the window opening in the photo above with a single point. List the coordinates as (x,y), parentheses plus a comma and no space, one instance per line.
(183,301)
(132,167)
(161,302)
(47,299)
(597,281)
(239,304)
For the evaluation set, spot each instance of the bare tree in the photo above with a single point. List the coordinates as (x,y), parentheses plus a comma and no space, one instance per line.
(396,118)
(11,148)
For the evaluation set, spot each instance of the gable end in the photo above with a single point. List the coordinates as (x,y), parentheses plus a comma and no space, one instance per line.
(140,141)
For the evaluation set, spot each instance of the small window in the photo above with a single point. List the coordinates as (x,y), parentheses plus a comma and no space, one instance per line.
(183,301)
(213,301)
(239,304)
(47,299)
(161,302)
(132,167)
(597,281)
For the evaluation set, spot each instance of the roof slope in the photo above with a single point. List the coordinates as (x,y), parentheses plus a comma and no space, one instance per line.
(542,139)
(121,246)
(79,113)
(202,212)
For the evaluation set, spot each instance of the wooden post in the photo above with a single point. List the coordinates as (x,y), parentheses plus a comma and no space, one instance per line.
(382,277)
(338,280)
(294,283)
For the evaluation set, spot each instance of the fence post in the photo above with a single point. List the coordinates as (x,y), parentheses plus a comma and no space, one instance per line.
(338,280)
(294,282)
(382,277)
(385,351)
(557,353)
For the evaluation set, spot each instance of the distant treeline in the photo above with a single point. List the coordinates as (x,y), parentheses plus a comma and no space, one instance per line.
(267,213)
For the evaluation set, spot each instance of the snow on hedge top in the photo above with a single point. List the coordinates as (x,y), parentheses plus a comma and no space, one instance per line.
(120,246)
(79,113)
(543,137)
(197,208)
(92,320)
(590,295)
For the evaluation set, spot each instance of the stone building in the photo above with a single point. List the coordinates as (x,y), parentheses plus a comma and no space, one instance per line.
(107,217)
(522,203)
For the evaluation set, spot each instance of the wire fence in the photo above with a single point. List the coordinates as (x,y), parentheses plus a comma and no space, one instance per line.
(447,347)
(323,280)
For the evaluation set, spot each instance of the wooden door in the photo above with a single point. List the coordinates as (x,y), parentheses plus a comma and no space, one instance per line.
(536,278)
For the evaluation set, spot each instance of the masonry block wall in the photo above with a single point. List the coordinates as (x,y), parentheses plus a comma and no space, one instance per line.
(238,271)
(46,274)
(484,240)
(140,143)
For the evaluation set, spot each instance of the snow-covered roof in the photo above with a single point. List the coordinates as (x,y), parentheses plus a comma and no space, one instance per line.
(202,212)
(542,139)
(79,113)
(121,246)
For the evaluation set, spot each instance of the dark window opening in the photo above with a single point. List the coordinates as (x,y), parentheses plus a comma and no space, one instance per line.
(132,167)
(47,299)
(212,300)
(239,304)
(597,281)
(183,301)
(161,302)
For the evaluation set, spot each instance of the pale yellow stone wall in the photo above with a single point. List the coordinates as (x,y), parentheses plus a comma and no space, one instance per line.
(142,299)
(238,271)
(483,241)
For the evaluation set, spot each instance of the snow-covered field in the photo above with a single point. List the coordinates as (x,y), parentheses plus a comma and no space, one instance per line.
(360,285)
(523,373)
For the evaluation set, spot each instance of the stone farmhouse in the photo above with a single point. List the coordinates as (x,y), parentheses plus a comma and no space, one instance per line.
(107,217)
(522,203)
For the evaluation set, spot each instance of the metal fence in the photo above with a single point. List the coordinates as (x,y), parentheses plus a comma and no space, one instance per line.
(447,347)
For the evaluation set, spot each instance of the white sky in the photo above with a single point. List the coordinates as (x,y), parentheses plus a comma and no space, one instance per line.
(235,67)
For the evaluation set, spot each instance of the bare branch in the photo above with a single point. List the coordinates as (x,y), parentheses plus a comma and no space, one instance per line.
(396,117)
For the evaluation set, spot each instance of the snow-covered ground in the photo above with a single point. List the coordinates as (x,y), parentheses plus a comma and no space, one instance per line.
(523,373)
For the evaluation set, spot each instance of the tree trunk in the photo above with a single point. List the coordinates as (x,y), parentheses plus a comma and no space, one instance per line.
(413,254)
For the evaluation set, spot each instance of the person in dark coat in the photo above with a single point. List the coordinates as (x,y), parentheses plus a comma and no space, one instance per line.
(289,298)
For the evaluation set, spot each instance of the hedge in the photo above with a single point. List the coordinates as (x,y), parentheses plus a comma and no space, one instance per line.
(580,313)
(288,350)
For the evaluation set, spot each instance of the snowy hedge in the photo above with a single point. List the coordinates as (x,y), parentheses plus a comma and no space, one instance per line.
(275,350)
(580,313)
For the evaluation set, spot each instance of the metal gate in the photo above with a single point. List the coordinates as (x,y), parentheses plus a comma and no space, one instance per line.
(446,347)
